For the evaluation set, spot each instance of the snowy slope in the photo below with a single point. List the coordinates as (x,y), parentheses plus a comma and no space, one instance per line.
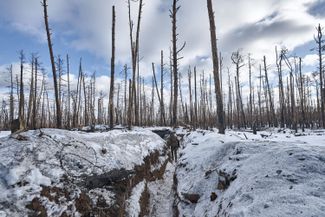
(4,133)
(278,175)
(33,160)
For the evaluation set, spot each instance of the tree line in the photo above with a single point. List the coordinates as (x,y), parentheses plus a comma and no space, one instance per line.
(295,101)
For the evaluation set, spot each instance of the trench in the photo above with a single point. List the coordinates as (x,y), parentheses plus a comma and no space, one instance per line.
(164,197)
(157,199)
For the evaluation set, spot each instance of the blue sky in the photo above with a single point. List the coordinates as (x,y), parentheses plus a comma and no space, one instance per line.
(82,29)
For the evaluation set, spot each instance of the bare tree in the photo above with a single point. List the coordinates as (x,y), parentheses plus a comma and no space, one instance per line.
(269,93)
(175,57)
(237,59)
(11,98)
(57,100)
(281,92)
(69,93)
(21,115)
(135,57)
(158,94)
(215,59)
(162,105)
(320,48)
(111,92)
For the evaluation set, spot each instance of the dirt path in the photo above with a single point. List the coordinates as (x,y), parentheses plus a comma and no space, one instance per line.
(162,195)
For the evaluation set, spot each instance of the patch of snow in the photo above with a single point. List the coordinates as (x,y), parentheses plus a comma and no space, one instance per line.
(4,134)
(35,177)
(162,194)
(133,203)
(108,196)
(280,174)
(46,157)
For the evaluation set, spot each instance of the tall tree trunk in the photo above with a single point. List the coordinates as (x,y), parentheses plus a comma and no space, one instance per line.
(195,100)
(125,96)
(162,105)
(214,49)
(171,87)
(159,98)
(190,93)
(58,106)
(31,93)
(320,48)
(173,15)
(134,55)
(130,106)
(281,92)
(69,94)
(274,122)
(250,92)
(12,107)
(302,98)
(35,106)
(111,92)
(21,115)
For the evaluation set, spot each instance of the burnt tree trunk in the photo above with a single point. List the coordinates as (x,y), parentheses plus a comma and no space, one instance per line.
(214,49)
(57,101)
(111,92)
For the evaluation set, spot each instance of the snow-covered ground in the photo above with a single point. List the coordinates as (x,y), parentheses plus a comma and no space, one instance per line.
(34,160)
(162,194)
(273,173)
(241,174)
(4,133)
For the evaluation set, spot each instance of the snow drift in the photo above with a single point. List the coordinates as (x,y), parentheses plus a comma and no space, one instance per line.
(281,174)
(52,172)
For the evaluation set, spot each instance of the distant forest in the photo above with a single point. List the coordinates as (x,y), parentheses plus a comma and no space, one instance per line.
(296,101)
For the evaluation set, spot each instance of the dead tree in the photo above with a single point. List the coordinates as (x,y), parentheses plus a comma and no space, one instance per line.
(281,92)
(230,113)
(171,86)
(302,97)
(21,114)
(195,100)
(250,91)
(269,94)
(320,48)
(291,93)
(86,113)
(259,96)
(11,98)
(190,94)
(125,95)
(31,93)
(130,106)
(111,91)
(215,59)
(181,97)
(48,33)
(162,105)
(237,59)
(35,104)
(162,119)
(135,57)
(175,57)
(69,94)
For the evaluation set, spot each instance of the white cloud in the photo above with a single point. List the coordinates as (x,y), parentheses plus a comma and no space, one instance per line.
(254,25)
(310,60)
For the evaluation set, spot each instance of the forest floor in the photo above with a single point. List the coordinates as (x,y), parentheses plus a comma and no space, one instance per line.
(56,172)
(274,173)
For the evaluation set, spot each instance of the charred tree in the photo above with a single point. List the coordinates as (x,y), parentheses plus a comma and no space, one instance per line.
(320,48)
(111,92)
(48,33)
(175,58)
(215,59)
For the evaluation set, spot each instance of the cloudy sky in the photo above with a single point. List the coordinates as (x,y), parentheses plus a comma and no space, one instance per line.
(82,29)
